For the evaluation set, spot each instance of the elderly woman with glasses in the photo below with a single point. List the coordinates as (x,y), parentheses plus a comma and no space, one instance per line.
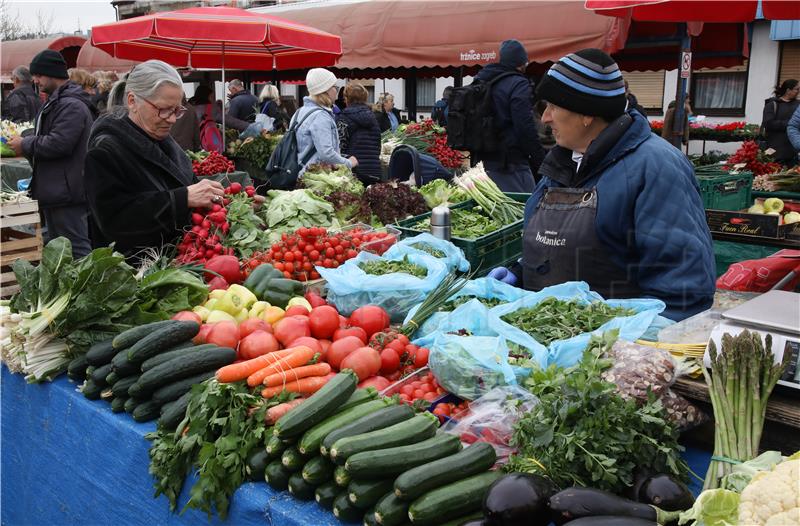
(139,182)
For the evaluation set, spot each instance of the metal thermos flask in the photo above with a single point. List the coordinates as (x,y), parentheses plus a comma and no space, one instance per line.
(440,222)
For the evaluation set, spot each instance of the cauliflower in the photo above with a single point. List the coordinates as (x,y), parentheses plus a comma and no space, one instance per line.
(773,497)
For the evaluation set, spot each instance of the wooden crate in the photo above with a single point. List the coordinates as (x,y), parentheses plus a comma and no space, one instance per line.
(20,237)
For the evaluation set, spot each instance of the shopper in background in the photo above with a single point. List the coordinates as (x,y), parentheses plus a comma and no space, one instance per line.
(440,107)
(87,82)
(388,116)
(105,80)
(669,121)
(793,132)
(633,102)
(778,110)
(57,151)
(23,103)
(242,104)
(205,105)
(359,133)
(270,100)
(186,130)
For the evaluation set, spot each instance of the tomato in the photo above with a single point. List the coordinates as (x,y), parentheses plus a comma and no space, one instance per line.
(315,299)
(278,266)
(371,318)
(430,397)
(407,390)
(344,322)
(291,328)
(358,332)
(426,388)
(203,334)
(297,310)
(325,344)
(251,325)
(314,254)
(187,315)
(257,343)
(418,393)
(224,334)
(330,252)
(308,341)
(404,398)
(324,321)
(288,257)
(398,347)
(390,362)
(288,267)
(341,348)
(421,357)
(378,382)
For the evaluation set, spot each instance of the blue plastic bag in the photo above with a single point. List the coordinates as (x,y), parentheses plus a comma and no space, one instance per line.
(349,287)
(454,256)
(566,353)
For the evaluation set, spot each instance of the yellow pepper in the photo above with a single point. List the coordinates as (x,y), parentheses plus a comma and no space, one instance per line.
(202,311)
(218,315)
(211,304)
(300,301)
(248,298)
(242,315)
(216,294)
(272,314)
(257,308)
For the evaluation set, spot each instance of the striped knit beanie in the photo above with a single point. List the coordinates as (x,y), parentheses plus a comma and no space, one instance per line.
(588,82)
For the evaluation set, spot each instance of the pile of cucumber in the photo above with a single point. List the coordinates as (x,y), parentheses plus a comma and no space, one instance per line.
(149,370)
(370,459)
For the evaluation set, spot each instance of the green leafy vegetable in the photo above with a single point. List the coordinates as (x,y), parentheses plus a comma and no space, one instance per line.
(466,224)
(714,507)
(257,149)
(429,250)
(459,301)
(246,234)
(289,210)
(440,192)
(381,267)
(325,179)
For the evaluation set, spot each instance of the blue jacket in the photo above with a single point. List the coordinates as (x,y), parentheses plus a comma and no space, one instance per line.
(649,214)
(360,136)
(793,129)
(318,130)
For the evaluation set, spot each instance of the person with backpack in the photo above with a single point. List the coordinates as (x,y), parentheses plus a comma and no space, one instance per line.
(500,127)
(359,134)
(777,112)
(439,113)
(270,101)
(209,115)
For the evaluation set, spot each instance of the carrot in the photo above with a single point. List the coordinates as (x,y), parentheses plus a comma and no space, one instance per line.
(305,386)
(239,371)
(282,377)
(300,355)
(274,413)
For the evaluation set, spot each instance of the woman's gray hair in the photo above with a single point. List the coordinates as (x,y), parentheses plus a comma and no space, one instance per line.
(143,81)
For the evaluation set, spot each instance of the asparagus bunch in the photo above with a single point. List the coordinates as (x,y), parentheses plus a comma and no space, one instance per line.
(486,193)
(742,377)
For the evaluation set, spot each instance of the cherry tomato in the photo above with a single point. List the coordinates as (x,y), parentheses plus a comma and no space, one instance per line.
(407,390)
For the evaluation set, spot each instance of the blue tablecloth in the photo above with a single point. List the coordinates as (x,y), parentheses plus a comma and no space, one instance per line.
(68,460)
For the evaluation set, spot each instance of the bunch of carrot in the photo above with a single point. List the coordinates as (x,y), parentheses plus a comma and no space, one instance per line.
(287,370)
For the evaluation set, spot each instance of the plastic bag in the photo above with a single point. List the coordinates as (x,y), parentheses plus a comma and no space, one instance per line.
(491,419)
(638,369)
(453,256)
(349,287)
(681,412)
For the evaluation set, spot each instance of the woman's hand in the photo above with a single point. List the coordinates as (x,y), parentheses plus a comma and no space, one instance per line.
(205,194)
(353,161)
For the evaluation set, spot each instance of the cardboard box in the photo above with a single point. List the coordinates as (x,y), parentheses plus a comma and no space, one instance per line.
(742,223)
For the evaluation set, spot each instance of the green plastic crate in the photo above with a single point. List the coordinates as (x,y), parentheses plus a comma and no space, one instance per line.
(486,252)
(726,191)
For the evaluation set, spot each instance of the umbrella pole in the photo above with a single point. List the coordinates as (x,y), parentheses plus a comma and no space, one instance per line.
(680,98)
(224,91)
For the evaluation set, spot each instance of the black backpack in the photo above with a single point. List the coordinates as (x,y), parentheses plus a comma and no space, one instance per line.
(284,164)
(471,119)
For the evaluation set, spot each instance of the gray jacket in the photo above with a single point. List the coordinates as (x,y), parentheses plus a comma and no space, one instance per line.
(23,104)
(318,130)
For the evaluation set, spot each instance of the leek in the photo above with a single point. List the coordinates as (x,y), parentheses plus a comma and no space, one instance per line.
(488,196)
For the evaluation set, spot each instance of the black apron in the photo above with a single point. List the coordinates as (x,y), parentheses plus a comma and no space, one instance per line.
(560,244)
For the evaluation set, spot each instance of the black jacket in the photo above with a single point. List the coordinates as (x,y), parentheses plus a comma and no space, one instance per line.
(242,106)
(22,104)
(777,113)
(58,149)
(136,186)
(360,136)
(515,120)
(272,109)
(383,119)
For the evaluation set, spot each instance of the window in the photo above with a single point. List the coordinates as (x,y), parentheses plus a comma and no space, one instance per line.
(426,93)
(790,60)
(720,92)
(648,87)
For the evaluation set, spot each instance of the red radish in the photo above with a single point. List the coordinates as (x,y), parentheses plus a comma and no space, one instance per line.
(308,341)
(224,334)
(341,348)
(297,310)
(365,361)
(225,266)
(390,361)
(187,315)
(378,382)
(203,334)
(324,321)
(371,318)
(251,325)
(358,332)
(256,344)
(218,283)
(315,299)
(291,328)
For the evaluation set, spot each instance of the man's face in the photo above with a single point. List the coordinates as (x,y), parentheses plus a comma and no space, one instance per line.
(45,83)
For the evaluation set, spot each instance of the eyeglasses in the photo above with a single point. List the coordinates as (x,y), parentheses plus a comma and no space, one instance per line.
(166,113)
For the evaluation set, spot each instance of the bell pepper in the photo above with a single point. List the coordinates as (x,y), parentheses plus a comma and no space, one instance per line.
(216,294)
(242,315)
(202,312)
(272,314)
(248,298)
(257,308)
(211,304)
(299,301)
(270,285)
(219,315)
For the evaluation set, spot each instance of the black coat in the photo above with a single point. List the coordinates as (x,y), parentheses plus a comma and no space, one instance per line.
(243,106)
(58,149)
(383,119)
(360,136)
(22,104)
(777,113)
(137,186)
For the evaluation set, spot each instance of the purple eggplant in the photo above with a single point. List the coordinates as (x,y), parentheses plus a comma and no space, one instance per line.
(574,503)
(666,493)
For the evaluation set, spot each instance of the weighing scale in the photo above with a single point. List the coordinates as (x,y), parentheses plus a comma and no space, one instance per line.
(776,312)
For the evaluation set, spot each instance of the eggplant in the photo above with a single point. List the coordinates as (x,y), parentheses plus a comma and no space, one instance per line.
(640,476)
(574,503)
(666,493)
(478,522)
(518,499)
(610,520)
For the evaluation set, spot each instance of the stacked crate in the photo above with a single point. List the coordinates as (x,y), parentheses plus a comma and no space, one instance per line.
(20,238)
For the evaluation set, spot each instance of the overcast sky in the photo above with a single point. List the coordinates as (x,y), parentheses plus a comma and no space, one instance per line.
(68,16)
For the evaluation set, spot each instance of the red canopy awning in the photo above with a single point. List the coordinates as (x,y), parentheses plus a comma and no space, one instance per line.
(21,52)
(94,59)
(696,10)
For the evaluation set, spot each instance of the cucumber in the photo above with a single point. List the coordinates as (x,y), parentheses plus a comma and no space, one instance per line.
(466,519)
(318,406)
(106,394)
(474,459)
(275,447)
(118,404)
(122,365)
(385,417)
(292,459)
(112,378)
(131,336)
(89,370)
(344,510)
(76,370)
(257,462)
(100,373)
(312,439)
(391,511)
(91,390)
(366,493)
(147,411)
(100,353)
(121,386)
(277,476)
(393,461)
(325,494)
(369,518)
(175,390)
(341,477)
(162,339)
(174,412)
(131,403)
(299,488)
(178,350)
(317,471)
(411,431)
(452,501)
(359,396)
(182,367)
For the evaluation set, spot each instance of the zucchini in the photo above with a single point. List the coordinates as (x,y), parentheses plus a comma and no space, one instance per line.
(411,431)
(344,510)
(474,459)
(147,411)
(76,370)
(91,390)
(385,417)
(100,373)
(341,477)
(161,340)
(112,378)
(366,493)
(275,447)
(175,352)
(120,387)
(174,412)
(89,370)
(175,390)
(182,367)
(391,511)
(106,394)
(453,500)
(257,462)
(127,338)
(123,366)
(118,404)
(312,439)
(299,488)
(317,471)
(100,353)
(369,518)
(393,461)
(131,403)
(277,476)
(359,396)
(318,406)
(292,459)
(465,520)
(325,494)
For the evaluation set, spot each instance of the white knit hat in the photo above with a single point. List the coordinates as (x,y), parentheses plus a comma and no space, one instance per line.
(319,80)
